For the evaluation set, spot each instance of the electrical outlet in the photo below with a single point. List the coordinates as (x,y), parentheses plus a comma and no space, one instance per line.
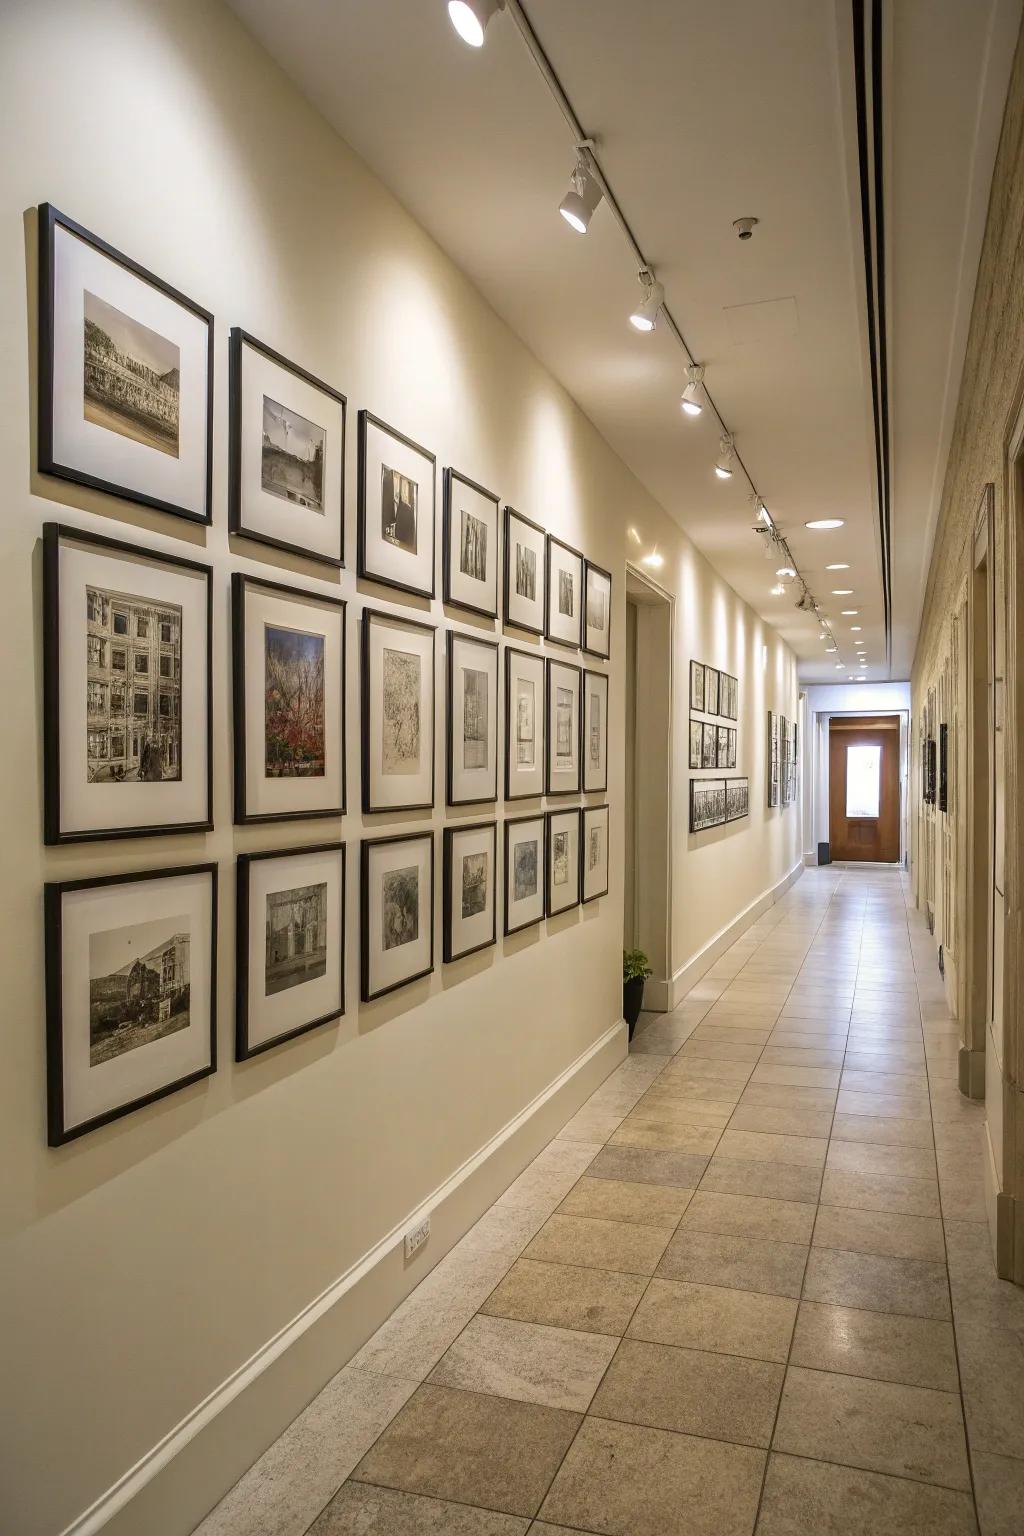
(417,1237)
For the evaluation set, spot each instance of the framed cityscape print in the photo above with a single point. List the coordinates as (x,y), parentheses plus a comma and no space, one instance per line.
(697,686)
(696,743)
(286,458)
(730,761)
(524,724)
(773,759)
(597,610)
(397,713)
(709,750)
(396,912)
(396,508)
(470,550)
(707,804)
(563,861)
(469,903)
(525,573)
(722,747)
(524,872)
(785,785)
(131,977)
(564,621)
(737,799)
(127,689)
(288,652)
(711,690)
(594,853)
(472,720)
(595,732)
(563,728)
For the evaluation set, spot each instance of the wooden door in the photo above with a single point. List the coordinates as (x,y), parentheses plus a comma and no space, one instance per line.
(864,789)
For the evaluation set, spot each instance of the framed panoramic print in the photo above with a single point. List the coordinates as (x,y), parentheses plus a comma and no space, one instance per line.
(125,375)
(524,872)
(563,861)
(737,799)
(597,610)
(397,713)
(707,804)
(288,651)
(594,853)
(595,732)
(472,720)
(563,728)
(286,484)
(525,573)
(470,550)
(289,944)
(711,690)
(709,749)
(469,899)
(127,689)
(564,620)
(396,508)
(524,724)
(697,685)
(696,743)
(396,910)
(131,976)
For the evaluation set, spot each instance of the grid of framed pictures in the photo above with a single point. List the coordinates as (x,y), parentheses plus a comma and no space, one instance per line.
(712,746)
(713,692)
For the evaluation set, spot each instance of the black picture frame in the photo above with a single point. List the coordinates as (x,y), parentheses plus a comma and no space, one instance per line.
(365,847)
(588,812)
(721,746)
(371,616)
(542,853)
(537,657)
(550,816)
(696,742)
(453,638)
(366,419)
(450,833)
(576,644)
(944,767)
(450,476)
(542,566)
(712,690)
(551,662)
(732,785)
(49,219)
(698,786)
(697,681)
(602,678)
(588,566)
(709,747)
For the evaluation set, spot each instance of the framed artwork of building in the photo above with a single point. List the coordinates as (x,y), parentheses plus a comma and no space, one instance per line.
(772,765)
(697,686)
(396,508)
(127,687)
(594,853)
(737,799)
(525,573)
(564,683)
(597,610)
(524,724)
(470,545)
(696,743)
(396,911)
(125,375)
(524,872)
(712,680)
(595,732)
(707,804)
(563,861)
(564,622)
(397,713)
(469,906)
(472,720)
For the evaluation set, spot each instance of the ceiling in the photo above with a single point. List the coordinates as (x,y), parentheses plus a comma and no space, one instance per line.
(704,113)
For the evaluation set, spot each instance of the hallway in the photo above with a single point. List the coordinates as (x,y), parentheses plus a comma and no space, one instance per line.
(748,1286)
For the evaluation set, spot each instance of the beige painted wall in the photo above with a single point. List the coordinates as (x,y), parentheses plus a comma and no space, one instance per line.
(145,1263)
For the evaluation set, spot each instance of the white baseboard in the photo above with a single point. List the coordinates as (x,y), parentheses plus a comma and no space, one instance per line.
(700,963)
(169,1489)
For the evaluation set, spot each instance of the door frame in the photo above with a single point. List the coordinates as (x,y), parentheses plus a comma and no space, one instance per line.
(980,819)
(895,716)
(822,775)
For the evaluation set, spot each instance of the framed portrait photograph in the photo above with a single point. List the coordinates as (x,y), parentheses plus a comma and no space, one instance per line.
(722,749)
(707,804)
(709,748)
(524,724)
(564,683)
(597,610)
(697,686)
(125,375)
(397,713)
(396,911)
(737,799)
(472,720)
(595,732)
(131,978)
(696,743)
(563,861)
(524,872)
(127,689)
(470,548)
(396,508)
(286,458)
(594,853)
(711,691)
(469,903)
(564,621)
(288,653)
(525,573)
(289,944)
(731,752)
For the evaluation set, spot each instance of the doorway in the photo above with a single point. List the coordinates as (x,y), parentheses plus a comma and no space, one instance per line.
(648,840)
(864,789)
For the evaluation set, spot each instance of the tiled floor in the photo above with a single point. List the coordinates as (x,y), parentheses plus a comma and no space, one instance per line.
(747,1288)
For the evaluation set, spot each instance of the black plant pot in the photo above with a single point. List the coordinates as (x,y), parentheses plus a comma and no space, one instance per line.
(632,1001)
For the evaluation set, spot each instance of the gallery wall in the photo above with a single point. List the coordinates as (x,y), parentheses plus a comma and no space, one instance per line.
(146,1263)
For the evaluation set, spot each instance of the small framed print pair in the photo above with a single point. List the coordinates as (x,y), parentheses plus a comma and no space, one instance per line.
(472,720)
(577,748)
(713,802)
(578,600)
(396,508)
(396,912)
(469,899)
(577,857)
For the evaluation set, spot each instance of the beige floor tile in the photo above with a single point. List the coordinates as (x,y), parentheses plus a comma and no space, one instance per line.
(666,1136)
(687,1091)
(789,1121)
(918,1351)
(895,1085)
(868,1158)
(566,1296)
(529,1362)
(877,1283)
(652,1205)
(696,1069)
(747,1264)
(764,1147)
(361,1510)
(992,1378)
(712,1317)
(691,1391)
(503,1229)
(597,1244)
(775,1181)
(874,1231)
(785,1221)
(880,1192)
(721,1050)
(657,1106)
(882,1130)
(590,1125)
(999,1487)
(816,1498)
(802,1056)
(788,1096)
(808,1040)
(883,1106)
(798,1077)
(742,1034)
(641,1165)
(549,1178)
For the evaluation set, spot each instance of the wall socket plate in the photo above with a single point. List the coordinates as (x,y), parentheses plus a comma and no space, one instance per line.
(417,1237)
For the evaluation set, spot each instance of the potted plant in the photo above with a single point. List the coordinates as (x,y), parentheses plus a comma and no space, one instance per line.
(635,971)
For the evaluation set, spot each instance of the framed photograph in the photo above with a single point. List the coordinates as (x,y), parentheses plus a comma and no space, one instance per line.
(785,784)
(397,713)
(470,550)
(595,732)
(722,747)
(472,721)
(943,800)
(597,610)
(709,750)
(525,573)
(773,759)
(524,872)
(696,743)
(286,458)
(127,689)
(396,912)
(524,724)
(396,508)
(734,698)
(707,804)
(594,853)
(563,728)
(131,979)
(711,691)
(564,623)
(731,754)
(697,686)
(125,375)
(289,944)
(288,650)
(563,861)
(737,799)
(469,907)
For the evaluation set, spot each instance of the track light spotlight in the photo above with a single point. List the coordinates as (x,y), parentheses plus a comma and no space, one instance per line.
(652,297)
(691,401)
(786,571)
(724,464)
(583,196)
(470,18)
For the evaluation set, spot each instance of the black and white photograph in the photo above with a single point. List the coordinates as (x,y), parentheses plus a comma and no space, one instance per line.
(594,852)
(470,549)
(524,872)
(396,902)
(564,769)
(563,860)
(524,724)
(472,720)
(288,654)
(595,732)
(697,686)
(722,749)
(785,782)
(737,799)
(286,485)
(707,804)
(469,911)
(731,753)
(396,508)
(711,699)
(296,947)
(130,992)
(125,375)
(709,749)
(597,611)
(564,623)
(397,713)
(772,765)
(127,689)
(525,573)
(696,743)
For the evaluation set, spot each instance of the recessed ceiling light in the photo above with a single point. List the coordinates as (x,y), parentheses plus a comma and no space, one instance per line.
(840,666)
(831,647)
(849,613)
(785,570)
(842,591)
(778,589)
(824,523)
(839,567)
